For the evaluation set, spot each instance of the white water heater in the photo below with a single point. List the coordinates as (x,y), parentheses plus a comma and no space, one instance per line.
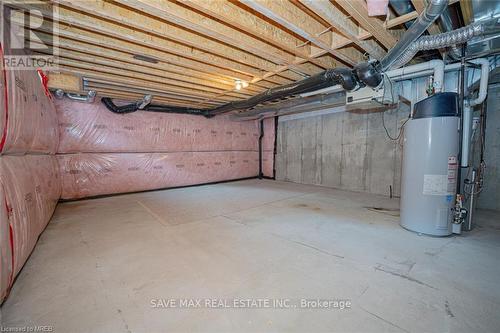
(430,165)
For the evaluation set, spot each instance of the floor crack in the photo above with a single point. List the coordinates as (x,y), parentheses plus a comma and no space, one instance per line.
(384,320)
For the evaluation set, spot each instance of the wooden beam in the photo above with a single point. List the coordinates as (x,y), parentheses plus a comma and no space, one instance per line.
(112,24)
(73,83)
(149,74)
(401,19)
(104,36)
(358,10)
(81,52)
(72,32)
(71,58)
(237,17)
(137,92)
(339,21)
(68,82)
(104,83)
(467,11)
(117,76)
(199,23)
(144,27)
(295,20)
(76,26)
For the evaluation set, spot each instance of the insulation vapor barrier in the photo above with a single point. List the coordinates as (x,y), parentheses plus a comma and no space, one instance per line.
(29,188)
(93,128)
(28,118)
(93,174)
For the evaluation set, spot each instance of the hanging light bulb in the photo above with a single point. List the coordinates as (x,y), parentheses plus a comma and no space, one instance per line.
(238,84)
(244,84)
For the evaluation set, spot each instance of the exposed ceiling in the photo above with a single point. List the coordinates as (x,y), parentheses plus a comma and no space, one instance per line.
(191,52)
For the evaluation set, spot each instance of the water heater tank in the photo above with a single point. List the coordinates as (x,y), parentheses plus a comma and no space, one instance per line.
(429,175)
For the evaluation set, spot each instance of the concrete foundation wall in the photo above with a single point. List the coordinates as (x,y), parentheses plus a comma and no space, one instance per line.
(343,150)
(352,151)
(490,195)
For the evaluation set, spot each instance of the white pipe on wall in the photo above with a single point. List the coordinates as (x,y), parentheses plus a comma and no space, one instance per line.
(466,136)
(467,128)
(483,83)
(436,66)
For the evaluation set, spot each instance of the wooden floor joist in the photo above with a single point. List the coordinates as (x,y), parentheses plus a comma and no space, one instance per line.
(192,52)
(293,19)
(80,53)
(237,17)
(336,19)
(144,27)
(359,11)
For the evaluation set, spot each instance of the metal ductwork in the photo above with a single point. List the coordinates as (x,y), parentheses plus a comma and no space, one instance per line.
(371,73)
(433,10)
(449,22)
(446,39)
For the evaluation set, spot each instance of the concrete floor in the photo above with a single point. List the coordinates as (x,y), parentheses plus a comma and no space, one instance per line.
(101,262)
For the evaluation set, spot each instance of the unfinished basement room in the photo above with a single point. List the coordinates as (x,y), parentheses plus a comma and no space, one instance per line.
(250,166)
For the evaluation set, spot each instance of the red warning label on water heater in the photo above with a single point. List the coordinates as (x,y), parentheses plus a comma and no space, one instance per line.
(452,174)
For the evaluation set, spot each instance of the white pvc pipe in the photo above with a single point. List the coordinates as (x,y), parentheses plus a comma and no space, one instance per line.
(327,90)
(467,128)
(432,67)
(466,136)
(436,66)
(483,83)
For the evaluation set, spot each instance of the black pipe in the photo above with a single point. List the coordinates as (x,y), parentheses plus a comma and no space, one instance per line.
(108,102)
(343,76)
(275,148)
(261,136)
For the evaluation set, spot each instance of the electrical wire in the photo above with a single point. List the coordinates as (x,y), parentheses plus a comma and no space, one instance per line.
(401,130)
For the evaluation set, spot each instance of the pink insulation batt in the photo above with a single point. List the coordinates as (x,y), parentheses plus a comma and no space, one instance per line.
(377,7)
(101,152)
(30,188)
(28,119)
(93,128)
(92,174)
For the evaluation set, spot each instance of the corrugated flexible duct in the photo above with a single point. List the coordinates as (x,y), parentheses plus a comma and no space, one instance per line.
(446,39)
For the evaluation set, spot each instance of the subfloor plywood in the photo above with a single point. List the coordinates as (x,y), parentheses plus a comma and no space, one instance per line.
(101,262)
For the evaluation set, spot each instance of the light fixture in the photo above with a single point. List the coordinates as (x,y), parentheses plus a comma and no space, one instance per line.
(238,84)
